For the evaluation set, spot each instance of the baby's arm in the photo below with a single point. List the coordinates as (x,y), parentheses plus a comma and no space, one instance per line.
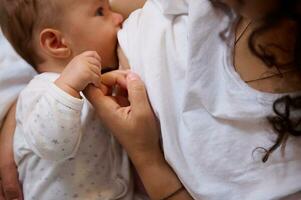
(49,119)
(49,113)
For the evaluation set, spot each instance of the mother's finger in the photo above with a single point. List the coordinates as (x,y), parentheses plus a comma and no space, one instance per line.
(113,78)
(102,103)
(8,169)
(1,192)
(137,94)
(11,188)
(10,183)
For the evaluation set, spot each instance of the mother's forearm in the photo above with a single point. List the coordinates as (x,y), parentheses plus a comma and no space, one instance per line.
(137,130)
(8,171)
(159,180)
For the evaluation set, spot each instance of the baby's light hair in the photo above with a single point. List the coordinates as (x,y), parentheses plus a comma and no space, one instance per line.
(22,20)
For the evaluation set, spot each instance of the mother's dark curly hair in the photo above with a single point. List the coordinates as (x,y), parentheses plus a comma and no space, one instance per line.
(287,119)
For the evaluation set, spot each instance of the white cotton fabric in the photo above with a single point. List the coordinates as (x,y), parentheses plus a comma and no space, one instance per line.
(172,7)
(211,121)
(14,75)
(62,149)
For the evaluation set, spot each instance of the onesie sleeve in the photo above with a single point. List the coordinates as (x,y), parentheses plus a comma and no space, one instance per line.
(50,120)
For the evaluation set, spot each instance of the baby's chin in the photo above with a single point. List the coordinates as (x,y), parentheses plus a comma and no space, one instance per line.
(112,65)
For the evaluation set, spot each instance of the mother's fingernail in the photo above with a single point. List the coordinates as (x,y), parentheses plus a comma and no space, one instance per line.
(132,76)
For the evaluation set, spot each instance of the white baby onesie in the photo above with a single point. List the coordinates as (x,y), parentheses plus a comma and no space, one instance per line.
(63,151)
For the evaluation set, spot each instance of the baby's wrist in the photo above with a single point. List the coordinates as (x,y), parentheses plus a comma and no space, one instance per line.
(67,88)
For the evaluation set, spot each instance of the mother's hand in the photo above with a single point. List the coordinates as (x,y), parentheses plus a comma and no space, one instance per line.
(134,125)
(9,185)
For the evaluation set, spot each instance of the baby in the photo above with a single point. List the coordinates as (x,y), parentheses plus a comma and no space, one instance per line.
(61,148)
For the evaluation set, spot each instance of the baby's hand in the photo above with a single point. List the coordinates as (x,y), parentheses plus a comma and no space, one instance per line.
(81,71)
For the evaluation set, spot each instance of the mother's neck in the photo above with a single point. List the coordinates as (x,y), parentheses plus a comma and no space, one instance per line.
(278,42)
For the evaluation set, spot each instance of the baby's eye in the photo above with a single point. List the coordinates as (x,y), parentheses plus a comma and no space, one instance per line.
(99,12)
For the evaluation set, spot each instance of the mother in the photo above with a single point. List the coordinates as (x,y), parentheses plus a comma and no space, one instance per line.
(214,93)
(214,100)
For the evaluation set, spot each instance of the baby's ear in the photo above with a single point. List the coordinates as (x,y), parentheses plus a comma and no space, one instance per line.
(54,44)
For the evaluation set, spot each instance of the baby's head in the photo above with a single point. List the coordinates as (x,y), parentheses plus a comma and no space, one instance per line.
(54,31)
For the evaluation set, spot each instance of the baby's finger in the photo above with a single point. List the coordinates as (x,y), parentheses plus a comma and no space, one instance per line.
(96,80)
(95,69)
(93,54)
(95,62)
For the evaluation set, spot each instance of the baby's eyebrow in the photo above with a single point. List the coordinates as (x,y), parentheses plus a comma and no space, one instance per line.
(103,1)
(99,1)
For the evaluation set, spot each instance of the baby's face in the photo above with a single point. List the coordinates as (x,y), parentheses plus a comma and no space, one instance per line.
(91,25)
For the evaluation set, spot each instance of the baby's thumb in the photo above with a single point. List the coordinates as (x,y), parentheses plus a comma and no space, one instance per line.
(137,93)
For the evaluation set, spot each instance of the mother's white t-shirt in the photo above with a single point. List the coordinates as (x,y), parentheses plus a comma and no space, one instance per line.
(211,120)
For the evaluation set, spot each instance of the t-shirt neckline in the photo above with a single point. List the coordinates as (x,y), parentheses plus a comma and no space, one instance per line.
(235,77)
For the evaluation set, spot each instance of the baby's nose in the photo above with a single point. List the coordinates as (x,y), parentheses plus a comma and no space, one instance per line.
(118,19)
